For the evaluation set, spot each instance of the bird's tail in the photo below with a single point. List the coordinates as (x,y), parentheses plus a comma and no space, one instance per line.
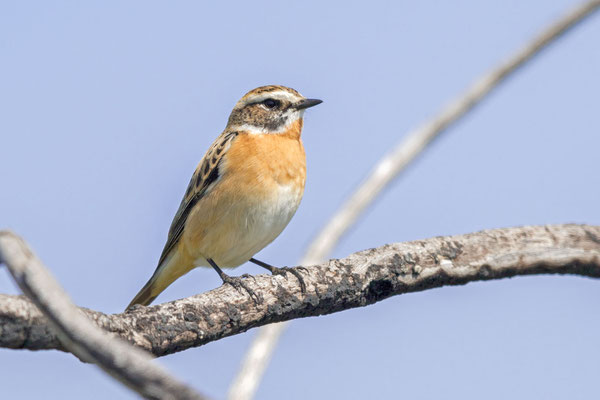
(167,272)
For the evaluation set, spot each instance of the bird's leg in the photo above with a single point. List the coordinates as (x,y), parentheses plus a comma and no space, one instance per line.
(283,271)
(235,281)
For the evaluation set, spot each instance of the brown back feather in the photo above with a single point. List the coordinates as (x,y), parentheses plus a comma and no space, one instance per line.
(206,174)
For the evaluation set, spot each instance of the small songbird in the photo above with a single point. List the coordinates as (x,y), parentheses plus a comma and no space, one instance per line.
(243,193)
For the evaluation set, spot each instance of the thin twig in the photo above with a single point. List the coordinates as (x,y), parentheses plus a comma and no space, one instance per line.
(388,168)
(131,366)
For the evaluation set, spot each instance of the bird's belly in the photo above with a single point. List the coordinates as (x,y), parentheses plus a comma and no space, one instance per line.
(247,225)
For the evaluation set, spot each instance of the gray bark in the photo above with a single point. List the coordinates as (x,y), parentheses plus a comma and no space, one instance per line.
(361,279)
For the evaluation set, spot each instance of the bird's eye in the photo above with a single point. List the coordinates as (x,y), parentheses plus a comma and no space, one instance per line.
(271,103)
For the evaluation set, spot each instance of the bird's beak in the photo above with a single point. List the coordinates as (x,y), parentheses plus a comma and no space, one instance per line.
(306,103)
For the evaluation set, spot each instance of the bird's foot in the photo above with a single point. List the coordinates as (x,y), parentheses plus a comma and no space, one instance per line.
(246,276)
(283,271)
(238,283)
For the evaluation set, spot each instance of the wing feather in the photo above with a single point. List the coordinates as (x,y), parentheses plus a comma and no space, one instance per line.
(205,175)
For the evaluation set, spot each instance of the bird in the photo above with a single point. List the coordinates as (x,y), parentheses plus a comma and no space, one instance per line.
(241,196)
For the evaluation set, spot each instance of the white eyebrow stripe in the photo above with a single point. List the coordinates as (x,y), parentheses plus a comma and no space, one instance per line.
(277,95)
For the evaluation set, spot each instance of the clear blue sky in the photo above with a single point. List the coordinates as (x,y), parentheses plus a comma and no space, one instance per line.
(106,107)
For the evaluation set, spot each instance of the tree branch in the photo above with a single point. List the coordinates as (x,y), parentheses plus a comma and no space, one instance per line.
(129,365)
(361,279)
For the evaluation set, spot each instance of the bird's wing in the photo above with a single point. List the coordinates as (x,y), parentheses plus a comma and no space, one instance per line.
(204,177)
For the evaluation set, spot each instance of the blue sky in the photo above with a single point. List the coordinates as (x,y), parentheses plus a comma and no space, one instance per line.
(106,108)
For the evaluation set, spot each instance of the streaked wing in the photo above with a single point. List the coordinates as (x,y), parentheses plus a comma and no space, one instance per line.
(205,175)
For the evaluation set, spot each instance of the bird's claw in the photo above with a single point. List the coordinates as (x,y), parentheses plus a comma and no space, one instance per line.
(283,271)
(238,283)
(246,276)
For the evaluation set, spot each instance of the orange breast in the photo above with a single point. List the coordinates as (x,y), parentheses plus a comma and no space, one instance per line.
(260,161)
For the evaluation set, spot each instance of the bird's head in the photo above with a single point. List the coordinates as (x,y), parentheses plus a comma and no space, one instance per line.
(269,109)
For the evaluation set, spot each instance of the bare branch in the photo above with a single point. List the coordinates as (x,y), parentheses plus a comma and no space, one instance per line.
(387,169)
(361,279)
(124,362)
